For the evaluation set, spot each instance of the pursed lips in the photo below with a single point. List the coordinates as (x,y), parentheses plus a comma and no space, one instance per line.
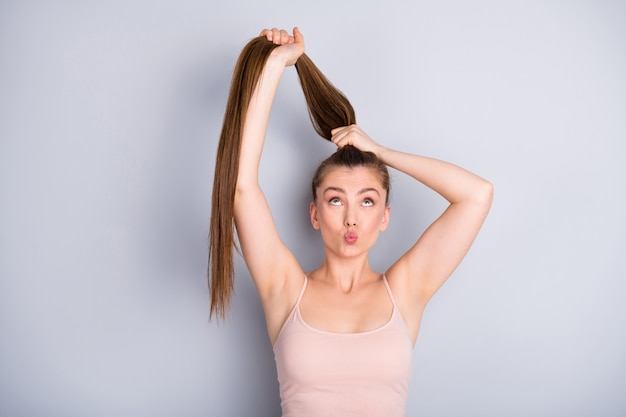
(350,237)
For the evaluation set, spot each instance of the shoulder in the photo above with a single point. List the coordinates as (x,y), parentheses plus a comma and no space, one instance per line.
(279,303)
(409,300)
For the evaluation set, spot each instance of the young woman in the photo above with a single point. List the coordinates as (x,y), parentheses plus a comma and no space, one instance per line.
(343,334)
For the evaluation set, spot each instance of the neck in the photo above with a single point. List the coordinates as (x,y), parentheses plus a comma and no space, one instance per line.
(345,274)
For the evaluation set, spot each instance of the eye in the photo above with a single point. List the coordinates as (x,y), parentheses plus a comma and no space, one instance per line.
(335,201)
(368,202)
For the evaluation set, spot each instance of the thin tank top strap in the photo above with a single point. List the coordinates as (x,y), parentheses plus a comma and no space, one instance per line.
(306,279)
(293,313)
(393,300)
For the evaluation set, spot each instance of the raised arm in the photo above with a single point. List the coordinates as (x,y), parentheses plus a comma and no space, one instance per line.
(269,261)
(421,271)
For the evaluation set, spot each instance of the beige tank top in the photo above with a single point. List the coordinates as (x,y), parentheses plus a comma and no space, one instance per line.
(326,374)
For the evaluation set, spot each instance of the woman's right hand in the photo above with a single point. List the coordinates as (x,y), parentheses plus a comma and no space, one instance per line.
(291,47)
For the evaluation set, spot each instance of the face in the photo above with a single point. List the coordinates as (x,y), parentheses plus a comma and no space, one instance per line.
(350,210)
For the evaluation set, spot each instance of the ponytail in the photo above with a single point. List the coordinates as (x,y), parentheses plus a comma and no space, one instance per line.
(328,109)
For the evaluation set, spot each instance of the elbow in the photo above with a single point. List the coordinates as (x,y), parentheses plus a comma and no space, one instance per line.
(485,193)
(246,191)
(243,186)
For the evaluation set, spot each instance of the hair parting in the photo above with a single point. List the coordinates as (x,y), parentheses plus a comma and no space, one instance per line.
(328,109)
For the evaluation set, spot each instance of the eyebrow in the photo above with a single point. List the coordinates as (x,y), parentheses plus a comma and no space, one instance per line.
(341,190)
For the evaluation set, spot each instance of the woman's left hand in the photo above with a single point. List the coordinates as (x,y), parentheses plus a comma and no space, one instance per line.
(355,136)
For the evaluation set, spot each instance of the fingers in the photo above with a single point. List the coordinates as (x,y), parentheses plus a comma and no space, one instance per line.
(339,129)
(343,135)
(297,35)
(355,136)
(281,36)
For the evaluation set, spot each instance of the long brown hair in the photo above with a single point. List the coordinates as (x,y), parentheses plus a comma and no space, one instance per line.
(328,109)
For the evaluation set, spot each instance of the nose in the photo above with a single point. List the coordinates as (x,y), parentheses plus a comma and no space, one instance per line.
(350,218)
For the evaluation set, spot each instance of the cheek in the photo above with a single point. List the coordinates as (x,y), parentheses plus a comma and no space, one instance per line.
(328,216)
(319,216)
(382,221)
(372,221)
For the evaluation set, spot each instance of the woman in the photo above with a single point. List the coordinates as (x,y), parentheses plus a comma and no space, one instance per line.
(343,333)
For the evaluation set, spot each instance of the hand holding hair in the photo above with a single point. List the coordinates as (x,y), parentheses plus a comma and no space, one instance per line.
(291,47)
(278,36)
(355,136)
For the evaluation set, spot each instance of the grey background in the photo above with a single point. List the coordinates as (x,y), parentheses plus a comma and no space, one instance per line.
(110,114)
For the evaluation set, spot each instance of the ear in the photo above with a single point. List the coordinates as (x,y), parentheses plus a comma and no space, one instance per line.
(313,214)
(385,221)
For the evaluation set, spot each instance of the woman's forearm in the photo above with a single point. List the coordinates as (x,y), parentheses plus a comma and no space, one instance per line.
(256,120)
(452,182)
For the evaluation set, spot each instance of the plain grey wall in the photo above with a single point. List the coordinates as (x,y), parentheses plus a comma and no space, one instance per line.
(109,119)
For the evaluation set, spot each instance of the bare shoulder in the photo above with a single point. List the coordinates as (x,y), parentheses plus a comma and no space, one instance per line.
(278,304)
(407,299)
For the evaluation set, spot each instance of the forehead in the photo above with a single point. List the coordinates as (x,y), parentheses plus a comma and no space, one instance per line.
(351,177)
